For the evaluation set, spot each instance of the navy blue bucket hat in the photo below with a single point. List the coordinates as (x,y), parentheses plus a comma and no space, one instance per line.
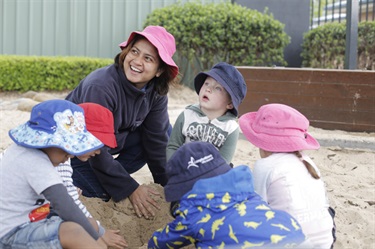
(230,78)
(191,162)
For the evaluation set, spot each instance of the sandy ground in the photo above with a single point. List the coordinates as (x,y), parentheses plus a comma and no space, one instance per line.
(346,160)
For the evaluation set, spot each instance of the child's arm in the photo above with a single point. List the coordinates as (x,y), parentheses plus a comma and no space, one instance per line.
(65,171)
(229,147)
(67,210)
(111,237)
(177,138)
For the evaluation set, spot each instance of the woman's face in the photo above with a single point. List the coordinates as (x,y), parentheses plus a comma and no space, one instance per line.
(141,64)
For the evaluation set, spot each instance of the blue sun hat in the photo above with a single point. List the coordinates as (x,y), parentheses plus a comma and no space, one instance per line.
(56,123)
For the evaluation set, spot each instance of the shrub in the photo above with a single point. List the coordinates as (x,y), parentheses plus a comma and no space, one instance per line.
(208,33)
(38,73)
(324,46)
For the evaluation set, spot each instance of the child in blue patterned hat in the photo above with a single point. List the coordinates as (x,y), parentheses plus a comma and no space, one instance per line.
(215,206)
(29,183)
(214,120)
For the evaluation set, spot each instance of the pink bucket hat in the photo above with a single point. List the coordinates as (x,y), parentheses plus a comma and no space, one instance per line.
(278,128)
(162,40)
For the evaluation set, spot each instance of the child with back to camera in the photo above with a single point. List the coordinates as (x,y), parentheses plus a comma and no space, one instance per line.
(286,177)
(29,183)
(215,206)
(99,122)
(214,120)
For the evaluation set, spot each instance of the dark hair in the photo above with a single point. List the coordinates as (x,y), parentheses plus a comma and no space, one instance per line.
(162,82)
(172,208)
(308,166)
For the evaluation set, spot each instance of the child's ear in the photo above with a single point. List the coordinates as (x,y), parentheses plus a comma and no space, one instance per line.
(230,106)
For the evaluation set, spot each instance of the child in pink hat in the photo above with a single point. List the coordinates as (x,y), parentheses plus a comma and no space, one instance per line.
(134,88)
(285,177)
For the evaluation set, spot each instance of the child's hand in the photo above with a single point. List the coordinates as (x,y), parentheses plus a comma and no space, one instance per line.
(113,239)
(79,191)
(102,243)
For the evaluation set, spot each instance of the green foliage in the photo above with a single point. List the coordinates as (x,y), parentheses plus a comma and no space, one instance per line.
(366,45)
(324,46)
(38,73)
(208,33)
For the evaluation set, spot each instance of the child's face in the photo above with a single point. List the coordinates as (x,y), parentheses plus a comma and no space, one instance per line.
(214,97)
(57,155)
(86,156)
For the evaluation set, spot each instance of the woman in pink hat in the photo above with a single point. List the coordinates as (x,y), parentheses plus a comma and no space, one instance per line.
(134,89)
(285,177)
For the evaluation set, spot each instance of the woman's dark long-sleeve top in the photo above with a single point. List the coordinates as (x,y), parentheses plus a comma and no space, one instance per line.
(132,108)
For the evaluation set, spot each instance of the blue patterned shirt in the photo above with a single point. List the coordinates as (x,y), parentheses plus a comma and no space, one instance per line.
(225,212)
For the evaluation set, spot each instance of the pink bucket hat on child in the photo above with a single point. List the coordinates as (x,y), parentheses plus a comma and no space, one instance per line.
(99,121)
(56,123)
(277,128)
(162,40)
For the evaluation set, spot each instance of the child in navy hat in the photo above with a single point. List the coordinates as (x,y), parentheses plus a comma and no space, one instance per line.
(214,119)
(215,206)
(29,183)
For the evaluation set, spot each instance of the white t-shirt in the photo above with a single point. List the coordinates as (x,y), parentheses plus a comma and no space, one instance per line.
(24,174)
(284,182)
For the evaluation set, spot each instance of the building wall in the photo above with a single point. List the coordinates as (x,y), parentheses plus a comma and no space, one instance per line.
(92,28)
(294,14)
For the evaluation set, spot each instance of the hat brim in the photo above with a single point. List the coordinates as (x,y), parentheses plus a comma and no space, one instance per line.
(159,46)
(201,77)
(108,139)
(274,143)
(75,144)
(174,191)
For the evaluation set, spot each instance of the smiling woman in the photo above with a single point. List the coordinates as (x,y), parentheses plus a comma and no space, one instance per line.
(134,89)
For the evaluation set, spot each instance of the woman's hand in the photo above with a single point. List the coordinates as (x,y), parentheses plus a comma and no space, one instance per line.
(113,239)
(143,203)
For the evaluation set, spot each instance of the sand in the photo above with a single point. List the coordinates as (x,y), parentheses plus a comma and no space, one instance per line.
(346,161)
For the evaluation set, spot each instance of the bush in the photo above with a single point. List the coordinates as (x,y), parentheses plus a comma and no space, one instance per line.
(207,34)
(324,46)
(38,73)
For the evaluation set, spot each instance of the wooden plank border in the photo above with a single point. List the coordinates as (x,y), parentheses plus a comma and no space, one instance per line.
(330,99)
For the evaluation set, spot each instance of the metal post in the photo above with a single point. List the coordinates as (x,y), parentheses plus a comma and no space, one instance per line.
(351,34)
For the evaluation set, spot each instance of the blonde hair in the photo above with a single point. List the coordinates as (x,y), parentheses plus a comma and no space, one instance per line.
(308,166)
